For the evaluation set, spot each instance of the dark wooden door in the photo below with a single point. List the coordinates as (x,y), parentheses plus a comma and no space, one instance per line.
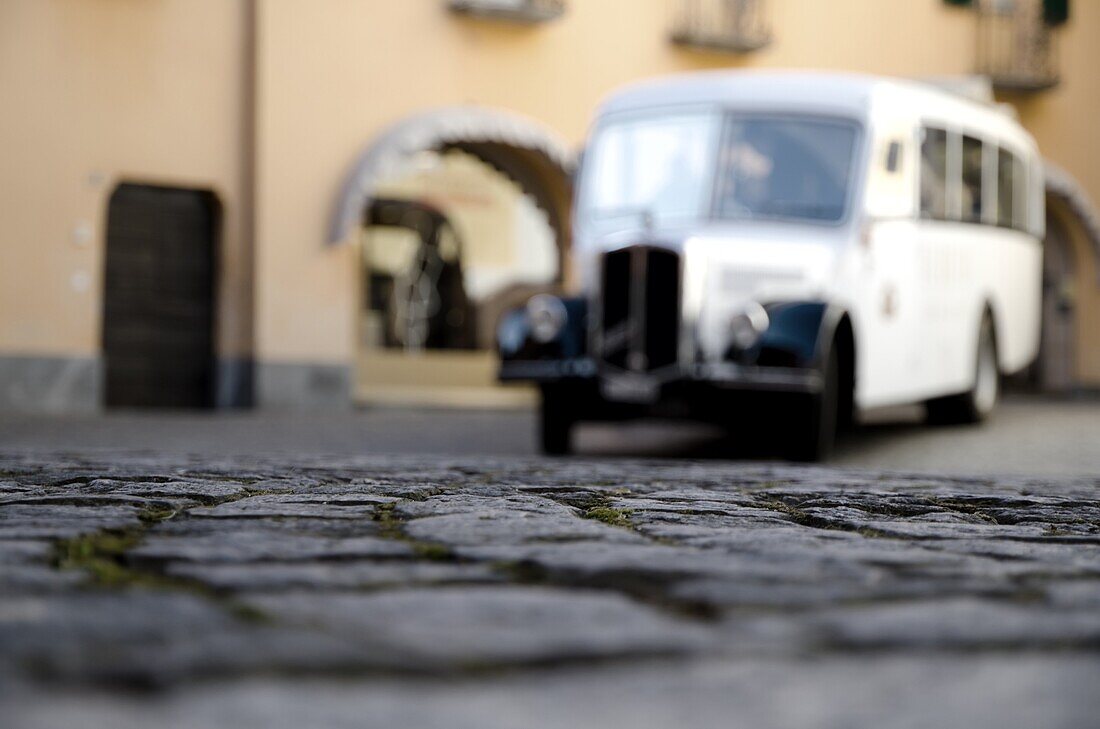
(158,309)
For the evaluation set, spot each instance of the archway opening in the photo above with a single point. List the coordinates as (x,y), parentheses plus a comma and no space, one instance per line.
(1055,368)
(1069,352)
(461,218)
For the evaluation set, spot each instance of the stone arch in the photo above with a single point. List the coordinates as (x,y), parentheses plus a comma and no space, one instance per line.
(1071,285)
(523,149)
(1062,187)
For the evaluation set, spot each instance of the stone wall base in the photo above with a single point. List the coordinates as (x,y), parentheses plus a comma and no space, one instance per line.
(303,385)
(36,384)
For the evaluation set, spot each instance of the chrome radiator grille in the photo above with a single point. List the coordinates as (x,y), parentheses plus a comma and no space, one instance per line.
(640,308)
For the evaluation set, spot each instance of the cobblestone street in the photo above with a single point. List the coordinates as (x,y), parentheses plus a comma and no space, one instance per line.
(513,592)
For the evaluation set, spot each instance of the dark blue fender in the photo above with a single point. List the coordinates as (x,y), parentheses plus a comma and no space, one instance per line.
(514,341)
(798,335)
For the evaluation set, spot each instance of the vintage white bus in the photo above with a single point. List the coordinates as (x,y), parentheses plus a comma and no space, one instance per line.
(838,242)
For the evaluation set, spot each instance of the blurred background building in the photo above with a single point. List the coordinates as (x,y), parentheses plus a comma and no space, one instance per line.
(290,203)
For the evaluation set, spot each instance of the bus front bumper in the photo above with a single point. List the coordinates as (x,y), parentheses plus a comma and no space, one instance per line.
(634,387)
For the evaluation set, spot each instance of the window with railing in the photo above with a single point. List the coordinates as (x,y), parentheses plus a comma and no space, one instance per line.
(1018,42)
(737,26)
(522,11)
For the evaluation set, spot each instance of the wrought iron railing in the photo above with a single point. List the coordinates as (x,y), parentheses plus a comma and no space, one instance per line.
(737,26)
(523,11)
(1017,48)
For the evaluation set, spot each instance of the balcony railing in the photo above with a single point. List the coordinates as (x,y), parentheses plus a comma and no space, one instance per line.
(737,26)
(521,11)
(1017,49)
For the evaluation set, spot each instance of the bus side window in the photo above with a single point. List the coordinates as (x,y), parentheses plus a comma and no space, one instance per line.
(933,174)
(1023,196)
(1007,184)
(971,180)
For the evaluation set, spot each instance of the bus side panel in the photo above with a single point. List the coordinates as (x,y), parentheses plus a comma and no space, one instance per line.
(952,269)
(967,268)
(1017,300)
(891,359)
(980,267)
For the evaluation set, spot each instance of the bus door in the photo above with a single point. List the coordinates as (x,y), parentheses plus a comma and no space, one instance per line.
(890,347)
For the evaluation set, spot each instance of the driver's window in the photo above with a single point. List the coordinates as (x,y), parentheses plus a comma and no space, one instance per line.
(785,168)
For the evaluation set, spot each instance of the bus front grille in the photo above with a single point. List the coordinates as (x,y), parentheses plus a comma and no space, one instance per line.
(640,308)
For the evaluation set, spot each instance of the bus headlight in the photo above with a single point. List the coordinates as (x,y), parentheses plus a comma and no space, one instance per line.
(547,317)
(747,325)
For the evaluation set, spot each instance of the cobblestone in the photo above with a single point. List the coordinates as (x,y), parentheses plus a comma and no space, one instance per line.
(502,592)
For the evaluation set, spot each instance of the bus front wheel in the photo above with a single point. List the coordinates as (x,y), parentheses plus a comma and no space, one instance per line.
(817,416)
(556,421)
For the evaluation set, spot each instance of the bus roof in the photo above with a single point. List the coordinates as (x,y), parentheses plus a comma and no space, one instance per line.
(859,96)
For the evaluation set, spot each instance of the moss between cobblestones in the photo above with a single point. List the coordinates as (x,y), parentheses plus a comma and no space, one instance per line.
(102,555)
(433,551)
(800,517)
(964,508)
(156,514)
(390,527)
(598,506)
(388,522)
(610,515)
(797,515)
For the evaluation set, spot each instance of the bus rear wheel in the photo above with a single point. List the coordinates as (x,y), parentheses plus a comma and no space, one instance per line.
(976,404)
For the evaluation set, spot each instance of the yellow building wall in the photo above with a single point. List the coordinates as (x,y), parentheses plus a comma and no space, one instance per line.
(1064,119)
(94,92)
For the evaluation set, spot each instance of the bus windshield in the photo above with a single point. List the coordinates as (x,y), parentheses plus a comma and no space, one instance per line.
(682,167)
